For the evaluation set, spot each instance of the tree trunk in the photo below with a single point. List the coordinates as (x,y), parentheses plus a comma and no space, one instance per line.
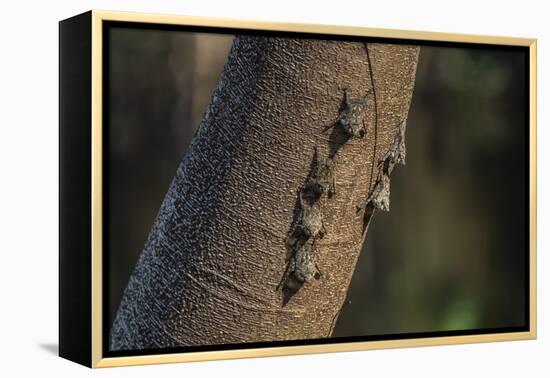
(220,265)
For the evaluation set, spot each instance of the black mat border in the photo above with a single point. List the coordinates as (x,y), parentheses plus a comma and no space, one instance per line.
(107,25)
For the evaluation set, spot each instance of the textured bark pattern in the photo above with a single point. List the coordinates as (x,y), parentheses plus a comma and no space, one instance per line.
(216,253)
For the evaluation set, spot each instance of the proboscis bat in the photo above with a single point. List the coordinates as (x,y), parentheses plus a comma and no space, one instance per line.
(325,176)
(311,224)
(351,116)
(320,182)
(302,264)
(397,151)
(380,196)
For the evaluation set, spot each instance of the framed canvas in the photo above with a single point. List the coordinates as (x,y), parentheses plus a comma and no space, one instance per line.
(234,189)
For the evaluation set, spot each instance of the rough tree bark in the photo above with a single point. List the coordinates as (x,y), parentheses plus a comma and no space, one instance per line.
(211,269)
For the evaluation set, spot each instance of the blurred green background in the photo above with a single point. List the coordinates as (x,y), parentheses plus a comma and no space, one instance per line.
(451,253)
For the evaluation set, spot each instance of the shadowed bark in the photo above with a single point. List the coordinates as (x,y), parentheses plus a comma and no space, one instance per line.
(212,268)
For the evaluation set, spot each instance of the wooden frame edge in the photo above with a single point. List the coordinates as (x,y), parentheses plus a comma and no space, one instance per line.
(97,189)
(310,28)
(308,349)
(533,188)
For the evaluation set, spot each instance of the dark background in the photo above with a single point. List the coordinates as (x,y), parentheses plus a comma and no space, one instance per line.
(451,253)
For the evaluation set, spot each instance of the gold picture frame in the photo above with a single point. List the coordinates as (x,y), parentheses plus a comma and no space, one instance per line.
(90,327)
